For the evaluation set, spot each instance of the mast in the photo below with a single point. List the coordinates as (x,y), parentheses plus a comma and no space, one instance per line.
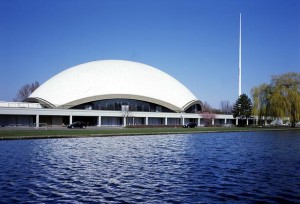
(240,57)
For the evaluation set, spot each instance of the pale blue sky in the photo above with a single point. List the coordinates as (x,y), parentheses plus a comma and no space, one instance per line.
(195,41)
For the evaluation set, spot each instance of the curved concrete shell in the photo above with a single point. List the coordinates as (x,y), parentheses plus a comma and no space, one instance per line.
(111,79)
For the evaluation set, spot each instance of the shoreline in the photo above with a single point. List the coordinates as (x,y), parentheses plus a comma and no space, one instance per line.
(19,134)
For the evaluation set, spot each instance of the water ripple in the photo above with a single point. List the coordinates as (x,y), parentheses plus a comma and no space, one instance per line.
(197,168)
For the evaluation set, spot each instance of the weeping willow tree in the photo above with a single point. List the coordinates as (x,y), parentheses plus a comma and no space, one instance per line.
(285,100)
(280,98)
(261,101)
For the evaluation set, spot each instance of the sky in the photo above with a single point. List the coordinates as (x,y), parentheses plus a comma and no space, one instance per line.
(195,41)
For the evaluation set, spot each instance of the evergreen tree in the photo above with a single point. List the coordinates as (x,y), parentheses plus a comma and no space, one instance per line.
(242,107)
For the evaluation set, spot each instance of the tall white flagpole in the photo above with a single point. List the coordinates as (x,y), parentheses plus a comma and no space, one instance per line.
(240,57)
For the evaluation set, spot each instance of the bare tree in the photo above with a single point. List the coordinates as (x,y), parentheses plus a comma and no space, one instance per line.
(26,90)
(206,107)
(226,107)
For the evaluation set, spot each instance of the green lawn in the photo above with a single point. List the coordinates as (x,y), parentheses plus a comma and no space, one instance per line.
(30,134)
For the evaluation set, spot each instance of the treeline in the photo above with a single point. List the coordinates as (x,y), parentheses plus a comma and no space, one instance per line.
(225,108)
(278,99)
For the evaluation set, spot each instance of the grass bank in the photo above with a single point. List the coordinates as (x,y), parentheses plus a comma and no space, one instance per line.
(40,134)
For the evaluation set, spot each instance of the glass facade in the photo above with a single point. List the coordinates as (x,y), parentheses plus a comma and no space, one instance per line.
(116,105)
(194,109)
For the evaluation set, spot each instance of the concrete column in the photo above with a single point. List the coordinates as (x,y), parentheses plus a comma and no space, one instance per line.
(166,121)
(37,121)
(236,121)
(198,122)
(146,120)
(124,122)
(213,121)
(133,121)
(71,119)
(99,121)
(225,121)
(247,121)
(182,121)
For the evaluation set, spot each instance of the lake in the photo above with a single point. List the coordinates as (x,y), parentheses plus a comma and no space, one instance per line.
(241,167)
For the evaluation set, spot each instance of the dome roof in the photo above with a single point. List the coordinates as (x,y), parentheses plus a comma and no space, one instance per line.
(108,79)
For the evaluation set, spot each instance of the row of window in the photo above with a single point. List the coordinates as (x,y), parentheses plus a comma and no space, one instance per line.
(116,105)
(133,105)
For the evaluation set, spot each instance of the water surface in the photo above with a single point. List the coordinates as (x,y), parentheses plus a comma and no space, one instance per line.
(244,167)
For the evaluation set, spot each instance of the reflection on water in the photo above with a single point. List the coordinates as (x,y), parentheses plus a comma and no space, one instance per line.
(196,168)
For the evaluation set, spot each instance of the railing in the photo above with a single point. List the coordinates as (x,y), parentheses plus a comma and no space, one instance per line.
(41,125)
(19,105)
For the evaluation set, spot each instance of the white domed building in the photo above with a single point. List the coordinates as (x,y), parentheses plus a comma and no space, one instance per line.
(107,93)
(107,84)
